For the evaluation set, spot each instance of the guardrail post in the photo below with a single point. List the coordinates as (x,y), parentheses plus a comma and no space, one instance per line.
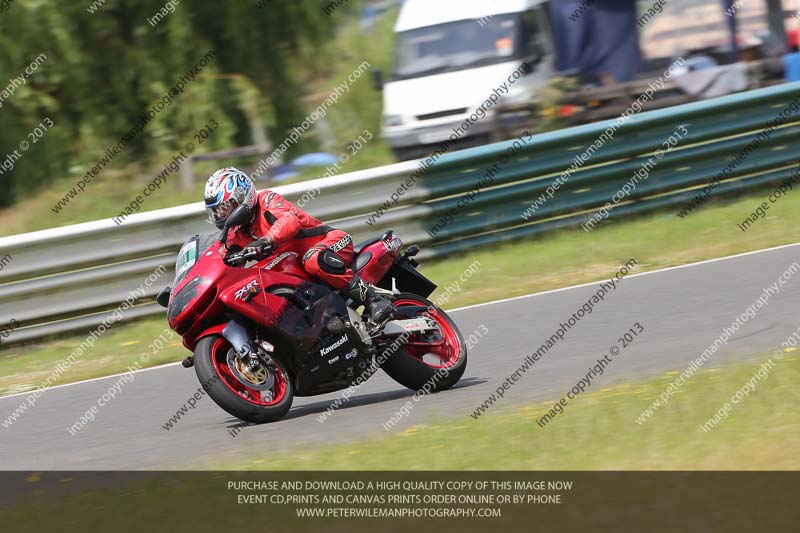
(187,176)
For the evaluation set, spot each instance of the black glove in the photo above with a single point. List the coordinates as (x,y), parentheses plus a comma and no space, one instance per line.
(262,247)
(230,259)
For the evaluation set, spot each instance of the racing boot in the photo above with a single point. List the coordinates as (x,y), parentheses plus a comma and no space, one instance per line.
(361,292)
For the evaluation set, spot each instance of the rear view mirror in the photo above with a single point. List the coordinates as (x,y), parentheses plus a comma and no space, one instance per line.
(163,296)
(240,215)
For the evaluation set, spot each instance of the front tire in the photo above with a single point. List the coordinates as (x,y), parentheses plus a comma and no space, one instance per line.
(245,403)
(431,362)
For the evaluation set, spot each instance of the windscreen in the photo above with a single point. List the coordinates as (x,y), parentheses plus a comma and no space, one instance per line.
(457,45)
(187,258)
(189,253)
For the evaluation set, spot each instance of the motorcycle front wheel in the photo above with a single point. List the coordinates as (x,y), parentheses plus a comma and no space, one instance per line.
(256,396)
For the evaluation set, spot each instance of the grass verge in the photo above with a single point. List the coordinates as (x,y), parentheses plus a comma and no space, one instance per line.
(23,368)
(597,431)
(562,259)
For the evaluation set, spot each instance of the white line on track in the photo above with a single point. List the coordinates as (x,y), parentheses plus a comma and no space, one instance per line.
(657,271)
(589,284)
(27,393)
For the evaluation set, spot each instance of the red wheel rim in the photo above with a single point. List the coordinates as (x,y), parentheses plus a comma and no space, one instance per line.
(445,346)
(219,358)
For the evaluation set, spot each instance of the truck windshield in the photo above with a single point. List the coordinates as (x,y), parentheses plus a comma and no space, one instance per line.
(457,45)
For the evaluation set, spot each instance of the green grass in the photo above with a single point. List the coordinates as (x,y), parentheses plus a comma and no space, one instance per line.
(23,368)
(595,432)
(572,257)
(562,259)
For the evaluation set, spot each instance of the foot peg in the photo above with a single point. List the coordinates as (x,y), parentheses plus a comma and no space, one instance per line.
(378,307)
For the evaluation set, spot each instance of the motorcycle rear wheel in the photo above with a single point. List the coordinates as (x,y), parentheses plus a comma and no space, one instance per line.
(245,403)
(428,362)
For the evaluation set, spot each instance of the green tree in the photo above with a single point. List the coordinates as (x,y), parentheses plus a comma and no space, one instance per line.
(106,69)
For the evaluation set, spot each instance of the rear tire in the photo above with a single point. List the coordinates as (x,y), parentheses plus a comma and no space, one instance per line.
(410,370)
(222,387)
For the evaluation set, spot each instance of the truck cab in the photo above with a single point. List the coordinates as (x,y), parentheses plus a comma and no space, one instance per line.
(450,57)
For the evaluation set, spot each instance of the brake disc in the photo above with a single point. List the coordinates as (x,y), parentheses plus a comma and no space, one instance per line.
(260,378)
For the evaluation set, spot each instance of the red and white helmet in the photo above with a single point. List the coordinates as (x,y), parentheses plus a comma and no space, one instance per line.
(227,189)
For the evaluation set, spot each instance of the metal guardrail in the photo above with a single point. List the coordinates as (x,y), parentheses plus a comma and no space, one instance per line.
(68,279)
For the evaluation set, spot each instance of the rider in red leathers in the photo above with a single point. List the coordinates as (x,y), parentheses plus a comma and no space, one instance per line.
(277,225)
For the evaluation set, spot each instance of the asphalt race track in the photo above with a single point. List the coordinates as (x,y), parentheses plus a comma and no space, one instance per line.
(682,309)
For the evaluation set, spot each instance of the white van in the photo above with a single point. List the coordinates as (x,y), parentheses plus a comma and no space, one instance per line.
(450,56)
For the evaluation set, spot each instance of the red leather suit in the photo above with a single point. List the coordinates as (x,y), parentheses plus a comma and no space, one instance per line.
(292,229)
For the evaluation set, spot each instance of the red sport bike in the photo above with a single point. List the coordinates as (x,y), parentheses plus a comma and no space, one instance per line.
(265,333)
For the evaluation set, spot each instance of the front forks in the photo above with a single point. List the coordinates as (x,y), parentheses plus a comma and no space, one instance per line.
(254,356)
(236,334)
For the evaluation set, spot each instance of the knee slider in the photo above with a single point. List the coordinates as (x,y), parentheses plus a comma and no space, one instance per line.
(331,262)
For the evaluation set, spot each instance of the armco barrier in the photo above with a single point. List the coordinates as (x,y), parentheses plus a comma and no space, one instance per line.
(68,279)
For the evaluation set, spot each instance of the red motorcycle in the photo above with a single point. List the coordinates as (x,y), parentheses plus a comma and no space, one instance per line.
(266,333)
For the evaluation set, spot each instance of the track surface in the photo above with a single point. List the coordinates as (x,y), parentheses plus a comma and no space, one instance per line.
(683,310)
